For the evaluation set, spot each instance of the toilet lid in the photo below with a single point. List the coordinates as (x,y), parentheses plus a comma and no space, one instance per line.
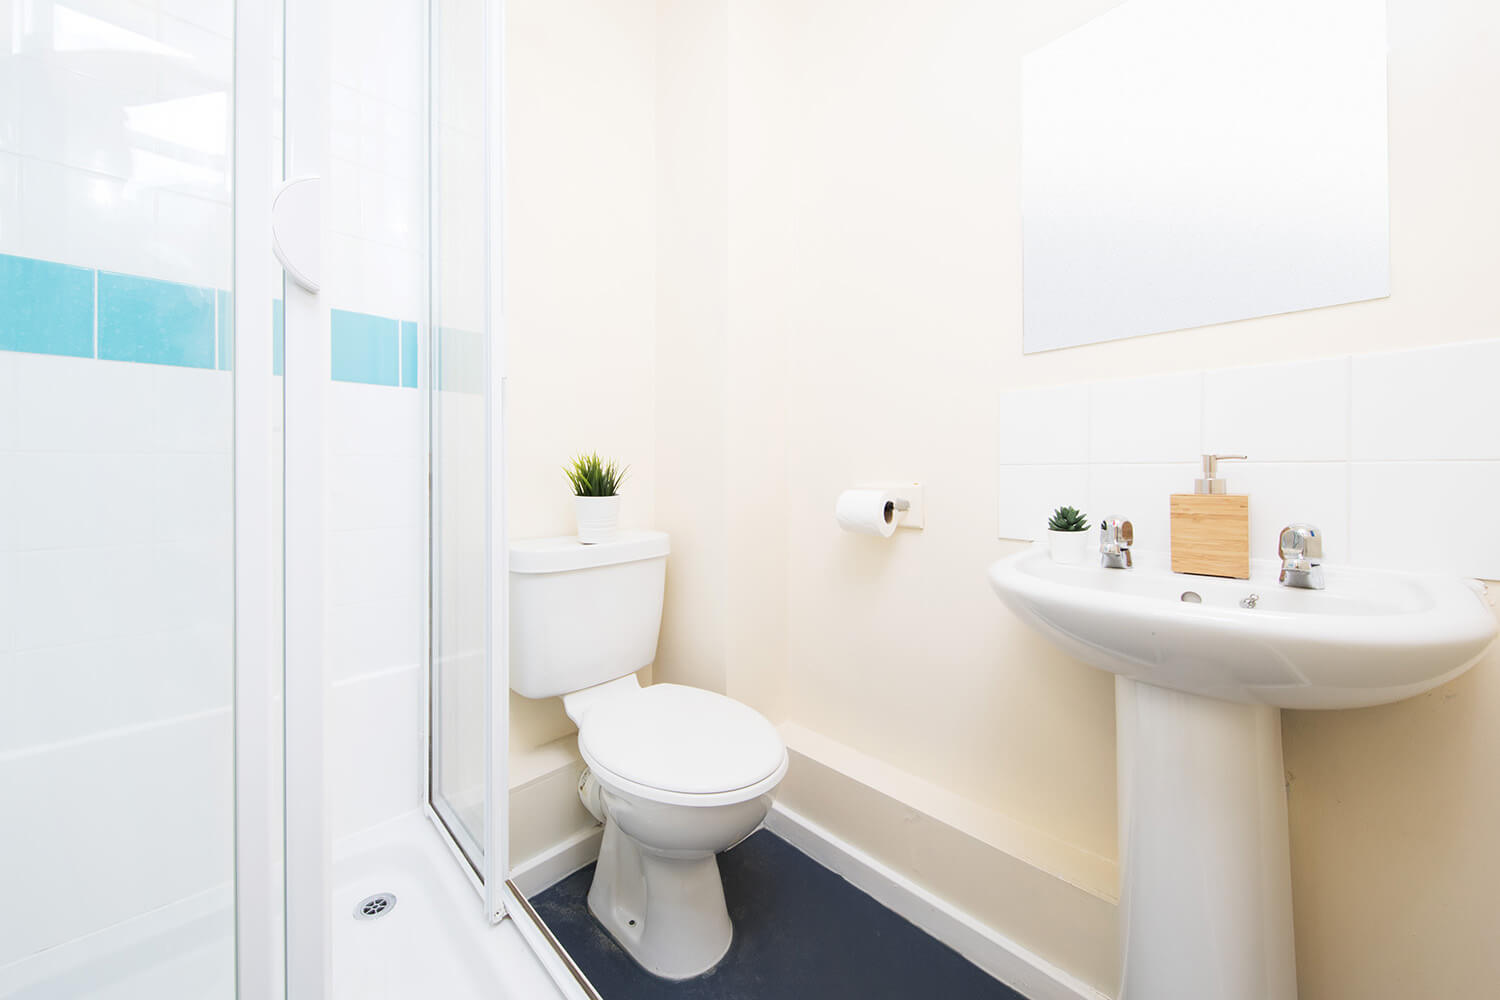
(683,739)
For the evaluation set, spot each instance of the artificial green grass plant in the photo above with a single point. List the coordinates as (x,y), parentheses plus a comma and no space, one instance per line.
(592,476)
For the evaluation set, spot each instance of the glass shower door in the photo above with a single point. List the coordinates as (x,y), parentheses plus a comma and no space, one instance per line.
(117,600)
(458,693)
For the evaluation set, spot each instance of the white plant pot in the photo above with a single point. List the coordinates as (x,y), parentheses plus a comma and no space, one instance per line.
(598,518)
(1071,548)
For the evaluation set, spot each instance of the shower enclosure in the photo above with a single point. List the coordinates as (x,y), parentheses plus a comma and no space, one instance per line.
(252,576)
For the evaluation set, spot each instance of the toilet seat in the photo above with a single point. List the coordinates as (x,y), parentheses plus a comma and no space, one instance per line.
(675,744)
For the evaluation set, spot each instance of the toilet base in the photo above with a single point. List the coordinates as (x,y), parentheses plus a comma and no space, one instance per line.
(668,913)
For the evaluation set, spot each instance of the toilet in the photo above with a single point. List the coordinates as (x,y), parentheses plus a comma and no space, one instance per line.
(676,774)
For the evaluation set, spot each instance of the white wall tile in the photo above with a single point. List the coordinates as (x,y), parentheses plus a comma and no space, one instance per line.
(10,582)
(11,70)
(77,595)
(215,15)
(1403,516)
(374,491)
(78,404)
(190,581)
(191,497)
(344,197)
(1030,493)
(391,139)
(373,637)
(371,780)
(1426,405)
(1156,419)
(376,564)
(191,242)
(1047,426)
(10,414)
(343,123)
(391,209)
(1278,413)
(56,500)
(77,121)
(192,409)
(209,51)
(1140,494)
(113,683)
(392,282)
(129,823)
(372,420)
(10,202)
(1282,493)
(344,272)
(84,219)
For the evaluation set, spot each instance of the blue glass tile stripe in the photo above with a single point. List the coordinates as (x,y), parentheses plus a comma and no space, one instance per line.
(51,308)
(365,348)
(225,330)
(46,308)
(157,322)
(408,354)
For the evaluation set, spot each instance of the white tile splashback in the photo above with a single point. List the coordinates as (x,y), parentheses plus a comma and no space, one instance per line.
(1153,419)
(1367,447)
(1429,405)
(1029,493)
(1426,516)
(1278,413)
(1061,439)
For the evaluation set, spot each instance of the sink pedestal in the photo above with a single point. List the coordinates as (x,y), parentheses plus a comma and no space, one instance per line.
(1205,870)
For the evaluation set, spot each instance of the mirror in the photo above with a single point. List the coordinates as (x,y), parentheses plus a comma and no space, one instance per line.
(1189,162)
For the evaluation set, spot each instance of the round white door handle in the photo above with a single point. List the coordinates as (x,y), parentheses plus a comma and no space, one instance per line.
(296,230)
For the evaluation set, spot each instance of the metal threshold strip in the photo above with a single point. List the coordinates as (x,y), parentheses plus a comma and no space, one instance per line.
(561,952)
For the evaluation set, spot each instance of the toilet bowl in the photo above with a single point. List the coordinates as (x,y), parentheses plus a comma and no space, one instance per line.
(676,774)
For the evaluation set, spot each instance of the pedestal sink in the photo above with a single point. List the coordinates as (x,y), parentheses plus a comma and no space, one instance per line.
(1202,667)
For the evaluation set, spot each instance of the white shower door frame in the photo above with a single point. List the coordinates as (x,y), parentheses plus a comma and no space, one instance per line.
(283,870)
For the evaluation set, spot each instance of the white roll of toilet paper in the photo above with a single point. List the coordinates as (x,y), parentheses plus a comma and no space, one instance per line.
(868,512)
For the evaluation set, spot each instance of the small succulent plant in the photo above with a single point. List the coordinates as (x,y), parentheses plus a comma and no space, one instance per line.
(592,476)
(1068,519)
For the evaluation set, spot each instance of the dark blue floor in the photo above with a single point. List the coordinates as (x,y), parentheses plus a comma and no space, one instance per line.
(800,932)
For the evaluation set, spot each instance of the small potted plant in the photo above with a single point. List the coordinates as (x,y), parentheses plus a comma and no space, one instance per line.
(596,496)
(1068,536)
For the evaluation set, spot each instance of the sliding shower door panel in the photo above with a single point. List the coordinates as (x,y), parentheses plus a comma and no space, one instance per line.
(307,368)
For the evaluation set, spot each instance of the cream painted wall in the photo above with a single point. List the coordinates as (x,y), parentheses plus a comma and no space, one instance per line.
(871,257)
(580,266)
(813,278)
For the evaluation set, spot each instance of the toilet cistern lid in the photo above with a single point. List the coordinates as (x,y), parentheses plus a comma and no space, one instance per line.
(683,739)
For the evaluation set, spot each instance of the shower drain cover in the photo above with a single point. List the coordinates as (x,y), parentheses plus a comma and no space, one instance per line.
(374,906)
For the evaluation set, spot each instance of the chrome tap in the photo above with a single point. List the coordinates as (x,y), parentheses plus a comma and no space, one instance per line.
(1115,538)
(1301,551)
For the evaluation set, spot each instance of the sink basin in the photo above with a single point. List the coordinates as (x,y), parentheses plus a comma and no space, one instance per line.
(1201,673)
(1369,638)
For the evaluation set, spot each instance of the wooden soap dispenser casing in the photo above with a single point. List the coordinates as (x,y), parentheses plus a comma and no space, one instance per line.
(1211,527)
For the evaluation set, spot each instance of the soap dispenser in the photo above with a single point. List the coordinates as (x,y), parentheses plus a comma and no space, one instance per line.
(1211,526)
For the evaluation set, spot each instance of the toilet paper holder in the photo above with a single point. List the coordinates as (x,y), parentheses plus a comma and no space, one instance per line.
(898,504)
(901,507)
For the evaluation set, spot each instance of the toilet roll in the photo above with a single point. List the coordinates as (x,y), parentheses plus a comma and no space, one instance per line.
(868,512)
